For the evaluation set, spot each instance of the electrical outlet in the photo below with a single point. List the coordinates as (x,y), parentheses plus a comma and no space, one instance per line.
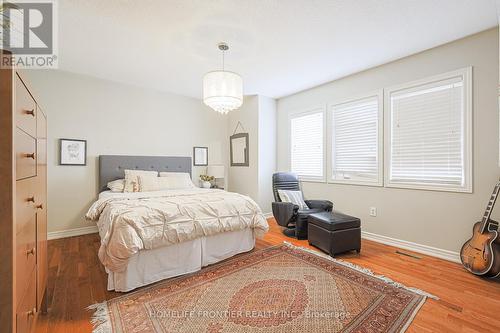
(373,211)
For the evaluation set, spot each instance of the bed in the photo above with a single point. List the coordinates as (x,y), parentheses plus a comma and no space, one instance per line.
(150,236)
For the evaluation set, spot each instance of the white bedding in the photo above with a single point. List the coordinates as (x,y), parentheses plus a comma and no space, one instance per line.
(131,222)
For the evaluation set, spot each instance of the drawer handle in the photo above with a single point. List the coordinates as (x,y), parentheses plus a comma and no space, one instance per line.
(30,112)
(31,199)
(32,155)
(39,206)
(32,251)
(31,312)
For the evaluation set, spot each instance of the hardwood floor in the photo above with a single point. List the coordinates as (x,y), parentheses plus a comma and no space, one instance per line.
(467,303)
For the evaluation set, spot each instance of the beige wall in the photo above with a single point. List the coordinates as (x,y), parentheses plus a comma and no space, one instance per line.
(258,117)
(116,119)
(244,179)
(437,219)
(267,151)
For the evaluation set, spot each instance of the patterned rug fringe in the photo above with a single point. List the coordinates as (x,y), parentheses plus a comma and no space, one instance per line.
(100,319)
(363,270)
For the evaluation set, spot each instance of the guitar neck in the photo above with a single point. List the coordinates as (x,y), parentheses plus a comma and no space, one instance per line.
(489,207)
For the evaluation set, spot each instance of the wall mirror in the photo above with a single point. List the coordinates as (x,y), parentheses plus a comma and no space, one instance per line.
(239,149)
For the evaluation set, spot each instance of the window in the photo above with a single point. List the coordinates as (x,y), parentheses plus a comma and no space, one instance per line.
(429,139)
(307,145)
(356,142)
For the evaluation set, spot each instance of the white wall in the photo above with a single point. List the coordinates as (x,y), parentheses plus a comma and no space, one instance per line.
(115,119)
(267,151)
(244,179)
(258,117)
(440,219)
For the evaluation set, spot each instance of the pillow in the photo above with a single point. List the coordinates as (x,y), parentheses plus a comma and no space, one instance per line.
(178,180)
(175,174)
(294,197)
(117,185)
(131,181)
(152,183)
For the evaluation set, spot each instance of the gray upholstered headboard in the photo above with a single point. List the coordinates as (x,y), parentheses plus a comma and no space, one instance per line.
(111,167)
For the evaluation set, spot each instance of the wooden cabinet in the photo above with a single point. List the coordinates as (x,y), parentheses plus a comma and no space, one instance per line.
(27,309)
(25,155)
(26,191)
(25,108)
(23,205)
(41,207)
(25,256)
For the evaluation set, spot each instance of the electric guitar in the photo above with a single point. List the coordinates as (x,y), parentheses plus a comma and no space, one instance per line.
(480,255)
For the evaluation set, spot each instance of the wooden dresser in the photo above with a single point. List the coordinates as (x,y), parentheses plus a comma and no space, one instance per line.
(23,205)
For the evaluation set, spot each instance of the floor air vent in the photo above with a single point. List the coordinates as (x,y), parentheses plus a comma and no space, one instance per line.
(408,254)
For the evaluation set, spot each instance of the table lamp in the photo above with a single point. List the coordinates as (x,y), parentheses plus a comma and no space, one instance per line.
(217,171)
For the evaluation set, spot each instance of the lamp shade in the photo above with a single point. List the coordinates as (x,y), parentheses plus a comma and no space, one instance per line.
(223,91)
(217,171)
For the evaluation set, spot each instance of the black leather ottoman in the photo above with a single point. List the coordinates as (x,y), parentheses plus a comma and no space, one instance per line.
(334,232)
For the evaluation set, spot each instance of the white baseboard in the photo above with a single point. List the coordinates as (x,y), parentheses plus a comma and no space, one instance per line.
(90,230)
(72,232)
(419,248)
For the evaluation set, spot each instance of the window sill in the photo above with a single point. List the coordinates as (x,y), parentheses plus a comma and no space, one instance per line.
(354,182)
(423,187)
(312,180)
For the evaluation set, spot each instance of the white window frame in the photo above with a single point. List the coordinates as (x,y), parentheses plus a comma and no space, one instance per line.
(379,94)
(305,112)
(466,75)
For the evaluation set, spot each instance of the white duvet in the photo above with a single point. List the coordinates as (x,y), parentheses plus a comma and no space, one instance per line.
(130,222)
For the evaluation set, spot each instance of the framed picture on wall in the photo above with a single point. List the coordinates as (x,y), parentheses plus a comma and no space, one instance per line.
(72,152)
(200,156)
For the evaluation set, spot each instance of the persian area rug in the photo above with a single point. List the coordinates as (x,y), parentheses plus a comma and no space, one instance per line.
(277,289)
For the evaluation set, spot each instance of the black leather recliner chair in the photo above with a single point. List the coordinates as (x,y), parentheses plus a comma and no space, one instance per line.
(287,214)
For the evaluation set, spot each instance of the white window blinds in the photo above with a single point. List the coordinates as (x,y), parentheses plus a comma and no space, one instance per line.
(307,145)
(428,141)
(355,141)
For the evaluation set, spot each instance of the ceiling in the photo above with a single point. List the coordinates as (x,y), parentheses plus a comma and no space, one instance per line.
(279,46)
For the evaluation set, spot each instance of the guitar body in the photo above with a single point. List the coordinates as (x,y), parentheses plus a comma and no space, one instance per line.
(481,254)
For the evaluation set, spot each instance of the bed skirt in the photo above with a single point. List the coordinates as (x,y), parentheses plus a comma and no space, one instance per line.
(149,266)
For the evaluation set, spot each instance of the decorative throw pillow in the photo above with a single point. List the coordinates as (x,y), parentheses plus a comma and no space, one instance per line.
(294,197)
(131,180)
(178,180)
(152,183)
(117,185)
(174,174)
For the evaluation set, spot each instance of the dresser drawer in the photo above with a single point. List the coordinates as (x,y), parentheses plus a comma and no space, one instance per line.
(26,201)
(25,155)
(25,255)
(26,307)
(25,109)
